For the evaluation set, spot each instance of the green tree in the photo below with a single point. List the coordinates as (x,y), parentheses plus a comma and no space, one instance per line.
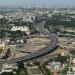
(64,71)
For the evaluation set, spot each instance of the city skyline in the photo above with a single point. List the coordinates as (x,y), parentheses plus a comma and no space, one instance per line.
(56,3)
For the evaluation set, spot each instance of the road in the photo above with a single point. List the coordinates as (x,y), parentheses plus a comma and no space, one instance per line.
(48,49)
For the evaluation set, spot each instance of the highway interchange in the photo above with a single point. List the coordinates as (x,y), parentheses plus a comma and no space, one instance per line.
(48,49)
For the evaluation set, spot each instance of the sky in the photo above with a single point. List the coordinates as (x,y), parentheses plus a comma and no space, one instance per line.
(63,3)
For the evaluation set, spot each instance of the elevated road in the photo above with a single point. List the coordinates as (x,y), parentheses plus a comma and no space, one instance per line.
(48,49)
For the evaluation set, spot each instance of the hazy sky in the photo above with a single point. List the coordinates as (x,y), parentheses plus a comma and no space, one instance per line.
(38,2)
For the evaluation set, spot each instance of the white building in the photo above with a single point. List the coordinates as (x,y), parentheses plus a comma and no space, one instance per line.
(21,28)
(55,65)
(27,19)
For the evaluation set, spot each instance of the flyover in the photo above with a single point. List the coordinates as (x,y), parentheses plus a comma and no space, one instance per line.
(48,49)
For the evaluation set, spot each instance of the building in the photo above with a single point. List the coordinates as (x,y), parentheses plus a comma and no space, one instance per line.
(55,65)
(1,16)
(7,67)
(70,73)
(21,28)
(27,18)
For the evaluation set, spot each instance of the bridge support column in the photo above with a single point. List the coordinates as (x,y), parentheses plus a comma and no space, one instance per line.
(20,67)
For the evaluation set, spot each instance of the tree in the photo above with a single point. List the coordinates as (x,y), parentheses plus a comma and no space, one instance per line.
(8,50)
(22,72)
(64,71)
(2,33)
(47,70)
(61,59)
